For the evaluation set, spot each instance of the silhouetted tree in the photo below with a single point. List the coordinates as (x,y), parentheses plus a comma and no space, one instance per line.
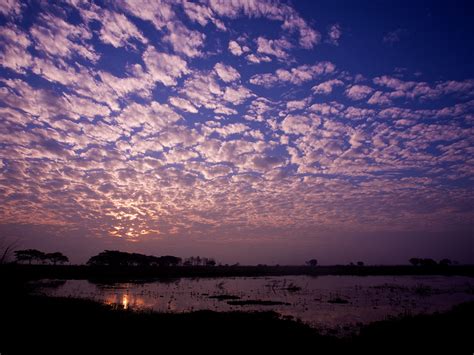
(56,257)
(188,262)
(427,262)
(210,262)
(169,260)
(199,261)
(415,261)
(360,263)
(312,262)
(29,255)
(6,249)
(445,262)
(120,258)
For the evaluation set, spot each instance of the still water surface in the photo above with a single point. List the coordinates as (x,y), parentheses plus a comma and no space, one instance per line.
(331,303)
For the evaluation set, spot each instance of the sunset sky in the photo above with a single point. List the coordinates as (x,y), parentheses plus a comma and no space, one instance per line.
(249,131)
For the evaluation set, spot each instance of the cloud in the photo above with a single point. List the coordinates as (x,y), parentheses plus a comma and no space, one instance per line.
(334,34)
(257,59)
(202,14)
(358,92)
(184,40)
(163,67)
(117,30)
(226,72)
(292,21)
(57,38)
(299,124)
(379,98)
(394,36)
(14,53)
(297,75)
(237,95)
(327,86)
(423,90)
(183,104)
(235,48)
(10,8)
(308,36)
(276,47)
(158,12)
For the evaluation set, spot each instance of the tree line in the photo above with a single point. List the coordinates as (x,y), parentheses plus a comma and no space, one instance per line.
(33,255)
(120,258)
(113,258)
(430,262)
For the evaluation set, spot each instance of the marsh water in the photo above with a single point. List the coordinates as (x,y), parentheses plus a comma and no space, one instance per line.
(334,304)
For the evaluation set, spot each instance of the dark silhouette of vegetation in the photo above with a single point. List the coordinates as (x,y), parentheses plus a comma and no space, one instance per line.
(6,249)
(312,263)
(31,255)
(225,297)
(56,257)
(338,300)
(117,258)
(120,258)
(103,273)
(360,263)
(415,261)
(445,262)
(198,261)
(430,262)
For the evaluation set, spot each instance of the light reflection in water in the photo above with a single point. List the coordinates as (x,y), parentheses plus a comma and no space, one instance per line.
(125,301)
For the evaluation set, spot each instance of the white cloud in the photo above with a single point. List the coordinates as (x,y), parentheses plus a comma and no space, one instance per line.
(290,19)
(235,48)
(252,58)
(58,38)
(117,30)
(236,95)
(163,67)
(297,75)
(184,40)
(226,72)
(78,107)
(327,86)
(158,12)
(10,8)
(183,104)
(276,47)
(299,124)
(359,92)
(308,36)
(202,14)
(14,49)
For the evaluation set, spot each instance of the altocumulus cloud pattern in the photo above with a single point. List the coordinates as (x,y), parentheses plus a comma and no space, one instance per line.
(224,120)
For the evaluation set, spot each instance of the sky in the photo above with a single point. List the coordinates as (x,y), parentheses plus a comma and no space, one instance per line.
(248,131)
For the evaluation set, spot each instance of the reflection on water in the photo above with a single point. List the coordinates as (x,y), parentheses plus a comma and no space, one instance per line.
(326,302)
(125,301)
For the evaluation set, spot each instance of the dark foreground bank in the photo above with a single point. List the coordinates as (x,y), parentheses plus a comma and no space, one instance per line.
(43,325)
